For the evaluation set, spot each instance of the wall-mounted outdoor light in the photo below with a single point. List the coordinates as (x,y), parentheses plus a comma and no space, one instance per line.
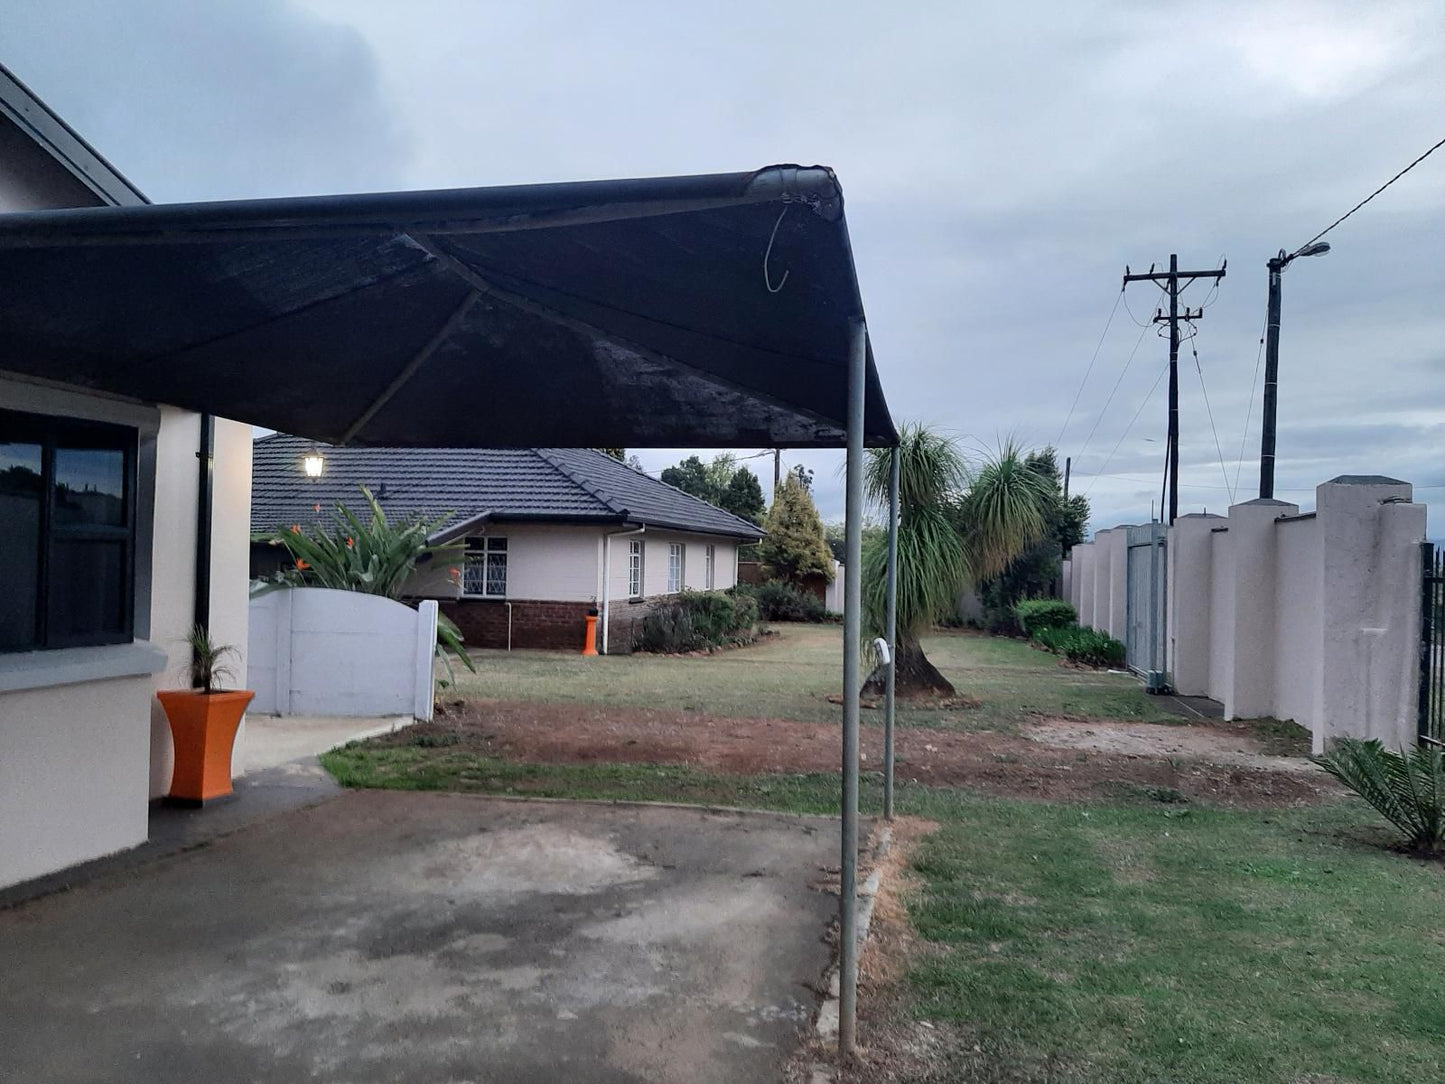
(313,463)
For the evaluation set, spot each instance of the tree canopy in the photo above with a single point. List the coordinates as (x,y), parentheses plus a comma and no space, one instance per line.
(794,548)
(720,482)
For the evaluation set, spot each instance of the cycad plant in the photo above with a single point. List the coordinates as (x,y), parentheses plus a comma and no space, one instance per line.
(373,555)
(954,525)
(1406,788)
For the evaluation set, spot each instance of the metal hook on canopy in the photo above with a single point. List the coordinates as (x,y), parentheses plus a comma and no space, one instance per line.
(767,256)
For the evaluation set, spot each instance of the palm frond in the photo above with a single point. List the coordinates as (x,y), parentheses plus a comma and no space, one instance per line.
(1005,510)
(1407,789)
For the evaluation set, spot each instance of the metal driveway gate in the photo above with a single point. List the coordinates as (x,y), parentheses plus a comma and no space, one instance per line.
(1144,625)
(1432,644)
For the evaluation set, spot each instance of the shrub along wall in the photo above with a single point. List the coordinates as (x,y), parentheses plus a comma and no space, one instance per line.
(698,621)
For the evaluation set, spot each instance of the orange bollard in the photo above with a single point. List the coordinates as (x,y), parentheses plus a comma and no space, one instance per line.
(589,643)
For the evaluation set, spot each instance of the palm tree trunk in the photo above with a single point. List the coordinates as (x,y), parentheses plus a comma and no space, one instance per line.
(914,675)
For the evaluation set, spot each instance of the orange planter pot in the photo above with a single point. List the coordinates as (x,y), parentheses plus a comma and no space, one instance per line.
(203,729)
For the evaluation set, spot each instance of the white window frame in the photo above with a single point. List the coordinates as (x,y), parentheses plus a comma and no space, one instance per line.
(634,568)
(676,563)
(710,566)
(479,554)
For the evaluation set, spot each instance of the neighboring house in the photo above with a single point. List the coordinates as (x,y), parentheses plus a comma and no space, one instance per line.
(550,533)
(100,501)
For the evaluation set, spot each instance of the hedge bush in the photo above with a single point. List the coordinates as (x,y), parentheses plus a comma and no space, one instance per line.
(782,602)
(1087,647)
(1044,613)
(697,621)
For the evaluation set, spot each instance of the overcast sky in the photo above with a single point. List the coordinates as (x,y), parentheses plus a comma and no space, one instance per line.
(1001,164)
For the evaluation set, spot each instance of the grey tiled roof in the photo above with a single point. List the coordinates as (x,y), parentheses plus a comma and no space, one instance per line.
(559,484)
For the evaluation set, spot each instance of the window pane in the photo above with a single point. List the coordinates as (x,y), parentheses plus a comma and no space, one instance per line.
(89,487)
(20,488)
(474,574)
(496,573)
(87,590)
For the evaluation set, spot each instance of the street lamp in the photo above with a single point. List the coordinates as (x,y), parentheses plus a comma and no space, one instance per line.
(1271,360)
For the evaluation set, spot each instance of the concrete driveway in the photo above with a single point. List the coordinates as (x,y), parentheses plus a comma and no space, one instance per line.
(432,938)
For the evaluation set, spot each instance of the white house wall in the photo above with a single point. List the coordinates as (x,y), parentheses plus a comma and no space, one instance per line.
(564,563)
(94,718)
(654,562)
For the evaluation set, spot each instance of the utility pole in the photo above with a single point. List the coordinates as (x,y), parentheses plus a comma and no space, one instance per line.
(1271,361)
(1171,282)
(1068,465)
(777,471)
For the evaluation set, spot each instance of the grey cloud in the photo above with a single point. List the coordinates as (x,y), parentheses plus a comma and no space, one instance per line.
(213,101)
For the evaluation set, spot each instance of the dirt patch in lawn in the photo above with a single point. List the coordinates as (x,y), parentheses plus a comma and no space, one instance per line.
(1213,743)
(1057,760)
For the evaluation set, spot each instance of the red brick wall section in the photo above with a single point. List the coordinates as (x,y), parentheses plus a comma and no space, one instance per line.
(536,623)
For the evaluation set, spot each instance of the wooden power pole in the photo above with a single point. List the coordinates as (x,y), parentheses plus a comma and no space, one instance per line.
(1171,282)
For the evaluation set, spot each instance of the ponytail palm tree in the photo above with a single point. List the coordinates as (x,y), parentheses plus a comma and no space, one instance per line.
(954,525)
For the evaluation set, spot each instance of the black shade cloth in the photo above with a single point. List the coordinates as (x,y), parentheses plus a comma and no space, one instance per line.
(602,313)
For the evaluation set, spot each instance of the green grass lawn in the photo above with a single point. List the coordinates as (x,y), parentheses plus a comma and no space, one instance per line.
(790,675)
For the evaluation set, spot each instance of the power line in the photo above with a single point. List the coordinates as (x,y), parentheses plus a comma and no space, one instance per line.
(1107,323)
(1249,410)
(1137,321)
(1193,335)
(1115,388)
(1371,196)
(1110,457)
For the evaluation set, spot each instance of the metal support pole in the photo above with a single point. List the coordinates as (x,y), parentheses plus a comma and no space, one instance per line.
(892,633)
(852,688)
(1271,377)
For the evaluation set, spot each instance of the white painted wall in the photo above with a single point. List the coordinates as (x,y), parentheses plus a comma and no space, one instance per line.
(80,745)
(316,651)
(1298,658)
(73,771)
(1314,619)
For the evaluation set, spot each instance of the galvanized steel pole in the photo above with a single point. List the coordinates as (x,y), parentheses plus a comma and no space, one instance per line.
(852,689)
(892,633)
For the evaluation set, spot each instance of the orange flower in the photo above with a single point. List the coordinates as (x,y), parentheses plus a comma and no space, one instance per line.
(454,572)
(295,528)
(350,544)
(302,565)
(317,508)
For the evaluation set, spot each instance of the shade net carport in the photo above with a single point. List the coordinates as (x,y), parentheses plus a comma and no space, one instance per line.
(712,311)
(630,313)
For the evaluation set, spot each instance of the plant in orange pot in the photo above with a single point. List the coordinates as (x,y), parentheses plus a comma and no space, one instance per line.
(203,719)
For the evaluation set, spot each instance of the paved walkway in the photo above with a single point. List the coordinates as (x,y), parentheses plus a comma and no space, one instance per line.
(387,936)
(272,740)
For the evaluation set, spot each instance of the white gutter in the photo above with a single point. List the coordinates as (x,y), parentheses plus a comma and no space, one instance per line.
(607,575)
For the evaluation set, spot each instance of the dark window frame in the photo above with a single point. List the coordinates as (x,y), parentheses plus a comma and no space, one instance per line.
(52,432)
